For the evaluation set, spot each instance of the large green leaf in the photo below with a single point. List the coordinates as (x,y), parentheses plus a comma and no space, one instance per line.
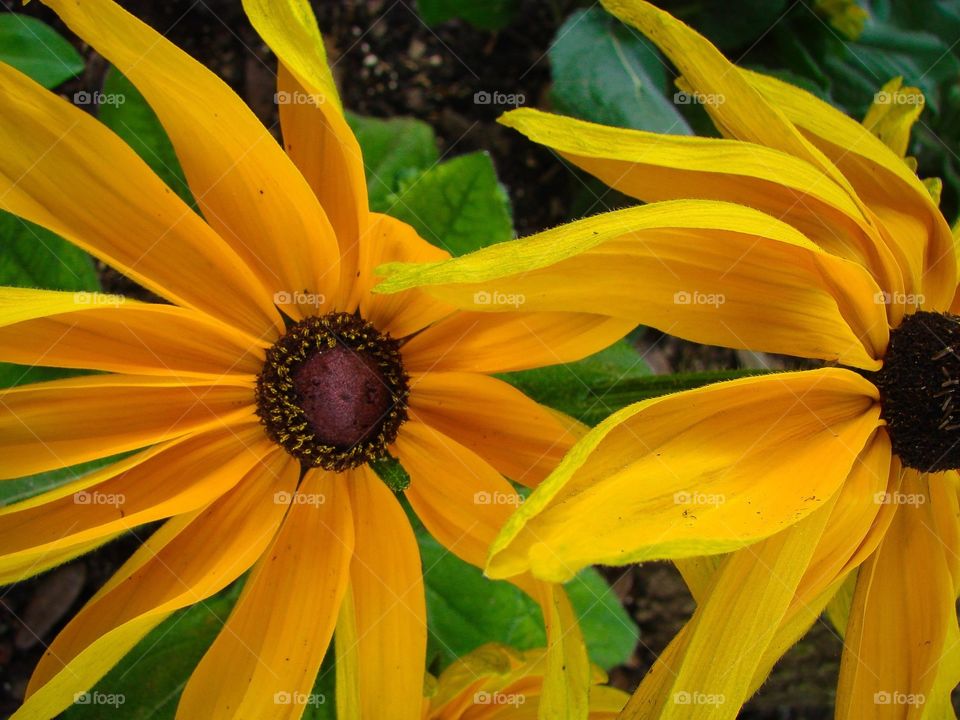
(36,49)
(458,205)
(124,110)
(392,149)
(608,73)
(466,610)
(487,15)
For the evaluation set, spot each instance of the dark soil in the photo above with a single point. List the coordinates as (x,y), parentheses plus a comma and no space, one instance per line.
(388,64)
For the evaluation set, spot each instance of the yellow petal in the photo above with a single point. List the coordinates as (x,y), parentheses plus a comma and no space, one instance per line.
(388,599)
(913,225)
(892,114)
(315,133)
(264,662)
(520,438)
(653,167)
(65,422)
(732,627)
(902,619)
(77,330)
(707,271)
(388,240)
(691,474)
(188,559)
(246,187)
(347,647)
(131,495)
(65,171)
(501,342)
(567,679)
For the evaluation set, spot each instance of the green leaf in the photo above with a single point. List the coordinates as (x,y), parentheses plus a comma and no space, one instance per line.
(36,49)
(726,29)
(597,386)
(392,149)
(124,110)
(610,74)
(466,610)
(458,205)
(148,681)
(487,15)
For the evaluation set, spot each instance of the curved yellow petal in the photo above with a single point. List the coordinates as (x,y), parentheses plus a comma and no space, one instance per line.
(246,187)
(902,631)
(388,600)
(892,114)
(188,559)
(690,474)
(915,230)
(81,330)
(62,169)
(517,436)
(264,662)
(746,604)
(707,271)
(65,422)
(386,239)
(653,167)
(501,342)
(315,133)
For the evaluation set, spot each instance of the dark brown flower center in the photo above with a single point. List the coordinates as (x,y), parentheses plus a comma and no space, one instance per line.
(919,385)
(333,391)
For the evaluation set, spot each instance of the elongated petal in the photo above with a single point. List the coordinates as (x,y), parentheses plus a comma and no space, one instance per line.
(520,438)
(500,342)
(903,617)
(247,188)
(315,132)
(388,240)
(892,114)
(264,661)
(209,464)
(652,167)
(65,171)
(707,271)
(745,606)
(126,337)
(65,422)
(388,599)
(915,229)
(187,560)
(690,474)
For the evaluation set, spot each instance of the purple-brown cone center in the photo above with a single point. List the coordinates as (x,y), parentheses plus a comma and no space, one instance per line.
(343,394)
(333,391)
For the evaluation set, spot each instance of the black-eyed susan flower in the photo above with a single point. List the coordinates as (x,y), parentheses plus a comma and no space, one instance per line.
(252,404)
(799,232)
(495,681)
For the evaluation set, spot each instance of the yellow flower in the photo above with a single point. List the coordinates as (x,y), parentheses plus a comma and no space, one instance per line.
(800,232)
(495,681)
(257,397)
